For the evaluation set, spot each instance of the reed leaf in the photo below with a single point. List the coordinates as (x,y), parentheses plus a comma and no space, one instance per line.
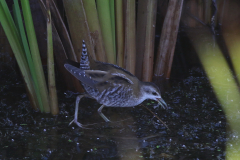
(14,40)
(35,54)
(31,66)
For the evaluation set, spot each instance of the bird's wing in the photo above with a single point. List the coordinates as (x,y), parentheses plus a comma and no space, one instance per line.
(98,79)
(119,77)
(80,75)
(107,79)
(104,76)
(97,75)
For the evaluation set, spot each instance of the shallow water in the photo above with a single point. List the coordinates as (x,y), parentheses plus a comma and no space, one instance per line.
(196,121)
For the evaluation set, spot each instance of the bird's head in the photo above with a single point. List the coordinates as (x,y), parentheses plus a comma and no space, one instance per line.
(151,91)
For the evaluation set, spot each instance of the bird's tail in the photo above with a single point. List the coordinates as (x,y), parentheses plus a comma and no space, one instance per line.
(84,62)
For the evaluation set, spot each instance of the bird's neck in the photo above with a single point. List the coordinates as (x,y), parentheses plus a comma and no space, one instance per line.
(141,92)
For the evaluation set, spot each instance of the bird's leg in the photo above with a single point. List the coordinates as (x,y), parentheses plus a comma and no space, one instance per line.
(102,115)
(75,120)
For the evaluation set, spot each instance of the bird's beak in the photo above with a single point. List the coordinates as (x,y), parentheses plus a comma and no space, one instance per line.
(162,103)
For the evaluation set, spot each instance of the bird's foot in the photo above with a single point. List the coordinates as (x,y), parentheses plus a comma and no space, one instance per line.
(77,123)
(107,121)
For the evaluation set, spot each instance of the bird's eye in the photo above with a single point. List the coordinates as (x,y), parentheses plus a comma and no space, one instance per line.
(154,93)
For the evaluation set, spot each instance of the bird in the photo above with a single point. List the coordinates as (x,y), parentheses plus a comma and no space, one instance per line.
(110,85)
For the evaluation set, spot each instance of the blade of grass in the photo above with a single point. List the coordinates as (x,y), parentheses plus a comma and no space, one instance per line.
(9,18)
(51,73)
(27,51)
(12,35)
(35,54)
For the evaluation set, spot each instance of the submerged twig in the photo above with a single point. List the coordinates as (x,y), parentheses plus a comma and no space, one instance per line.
(156,117)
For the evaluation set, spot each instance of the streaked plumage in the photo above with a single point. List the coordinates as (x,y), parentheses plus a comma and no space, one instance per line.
(110,85)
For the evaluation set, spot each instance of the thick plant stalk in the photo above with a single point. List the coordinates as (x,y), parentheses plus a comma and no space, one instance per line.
(50,63)
(146,20)
(14,40)
(63,47)
(78,26)
(168,39)
(62,30)
(112,15)
(207,11)
(140,36)
(200,10)
(95,30)
(193,6)
(103,8)
(119,32)
(149,41)
(35,54)
(130,37)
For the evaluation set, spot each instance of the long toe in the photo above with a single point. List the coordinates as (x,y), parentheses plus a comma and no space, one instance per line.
(79,124)
(76,122)
(71,122)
